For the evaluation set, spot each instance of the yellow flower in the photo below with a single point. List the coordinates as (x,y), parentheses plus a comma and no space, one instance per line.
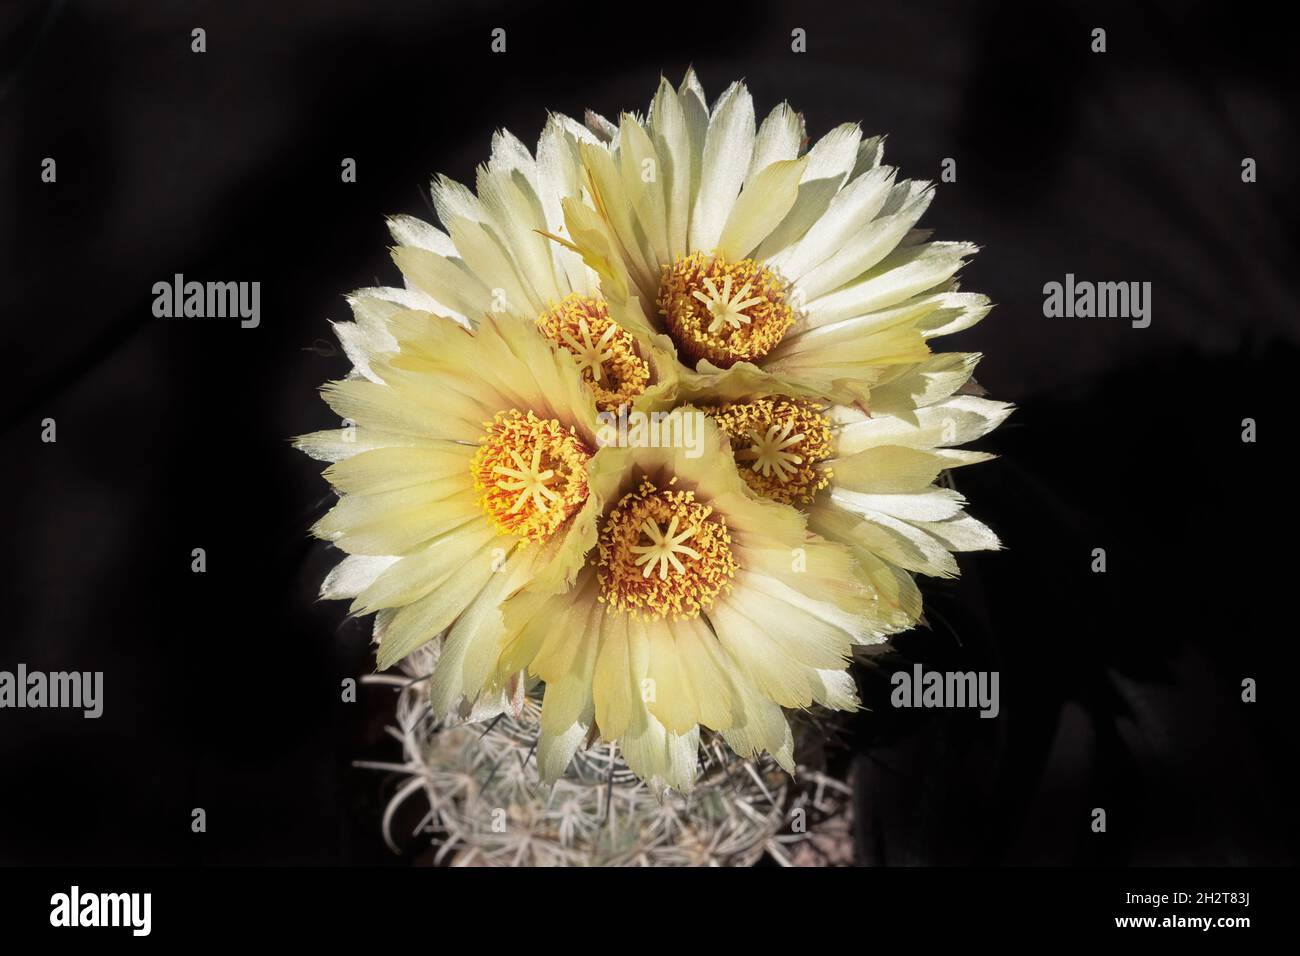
(656,593)
(757,266)
(702,607)
(493,256)
(463,476)
(870,482)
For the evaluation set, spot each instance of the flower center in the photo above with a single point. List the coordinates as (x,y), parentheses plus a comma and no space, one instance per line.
(724,312)
(779,444)
(662,554)
(530,473)
(606,353)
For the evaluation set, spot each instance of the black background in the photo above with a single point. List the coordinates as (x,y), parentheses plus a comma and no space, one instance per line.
(1119,690)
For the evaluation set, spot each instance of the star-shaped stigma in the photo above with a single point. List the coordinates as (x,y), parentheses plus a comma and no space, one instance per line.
(529,480)
(591,355)
(725,308)
(769,452)
(664,549)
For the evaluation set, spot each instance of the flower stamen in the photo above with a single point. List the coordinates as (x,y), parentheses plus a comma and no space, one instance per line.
(708,320)
(788,443)
(607,355)
(665,577)
(591,356)
(725,309)
(530,473)
(664,549)
(769,451)
(530,481)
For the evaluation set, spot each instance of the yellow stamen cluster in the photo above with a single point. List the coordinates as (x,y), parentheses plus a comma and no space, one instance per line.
(530,473)
(726,312)
(779,444)
(607,356)
(663,554)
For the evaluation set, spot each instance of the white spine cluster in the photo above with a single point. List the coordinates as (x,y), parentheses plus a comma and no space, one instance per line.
(487,808)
